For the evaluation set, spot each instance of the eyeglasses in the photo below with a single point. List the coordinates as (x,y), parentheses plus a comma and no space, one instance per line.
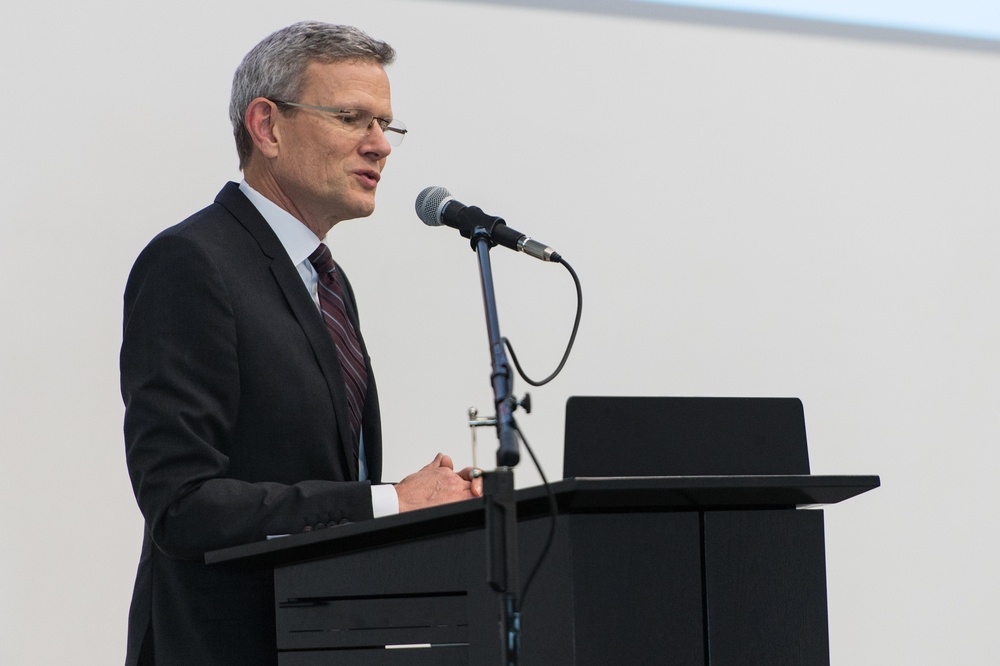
(358,121)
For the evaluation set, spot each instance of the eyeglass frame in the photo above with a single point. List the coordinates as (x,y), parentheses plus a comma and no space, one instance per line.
(384,124)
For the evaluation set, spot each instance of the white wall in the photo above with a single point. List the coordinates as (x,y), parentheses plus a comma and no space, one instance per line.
(751,213)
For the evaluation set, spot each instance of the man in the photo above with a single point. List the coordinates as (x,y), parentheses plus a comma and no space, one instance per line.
(250,403)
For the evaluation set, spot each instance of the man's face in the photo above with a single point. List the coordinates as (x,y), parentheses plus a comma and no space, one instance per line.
(327,172)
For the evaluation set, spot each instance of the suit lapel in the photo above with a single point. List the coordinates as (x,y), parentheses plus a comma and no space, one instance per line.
(303,308)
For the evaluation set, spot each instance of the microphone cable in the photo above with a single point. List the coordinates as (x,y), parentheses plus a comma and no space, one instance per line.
(572,337)
(553,513)
(553,506)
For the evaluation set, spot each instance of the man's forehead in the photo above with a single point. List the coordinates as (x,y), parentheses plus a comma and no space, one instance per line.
(345,73)
(347,82)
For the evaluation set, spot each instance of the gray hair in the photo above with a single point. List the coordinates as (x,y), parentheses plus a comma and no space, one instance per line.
(275,68)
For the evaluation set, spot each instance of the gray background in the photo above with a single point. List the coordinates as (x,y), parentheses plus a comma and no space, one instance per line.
(753,212)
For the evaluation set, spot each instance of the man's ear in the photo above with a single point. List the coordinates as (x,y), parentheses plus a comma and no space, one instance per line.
(259,122)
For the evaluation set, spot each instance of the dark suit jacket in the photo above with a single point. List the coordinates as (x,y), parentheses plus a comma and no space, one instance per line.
(236,427)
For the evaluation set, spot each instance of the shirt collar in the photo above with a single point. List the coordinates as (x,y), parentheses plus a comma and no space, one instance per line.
(297,239)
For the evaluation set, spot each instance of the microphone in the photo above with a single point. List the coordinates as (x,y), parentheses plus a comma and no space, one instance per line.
(435,206)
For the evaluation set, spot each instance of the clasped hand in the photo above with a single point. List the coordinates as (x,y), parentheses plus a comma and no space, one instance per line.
(437,483)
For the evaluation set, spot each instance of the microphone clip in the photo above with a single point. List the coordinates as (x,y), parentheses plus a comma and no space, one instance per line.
(476,421)
(475,233)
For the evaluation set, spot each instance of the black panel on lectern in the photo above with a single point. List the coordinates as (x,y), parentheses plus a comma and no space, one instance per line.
(669,436)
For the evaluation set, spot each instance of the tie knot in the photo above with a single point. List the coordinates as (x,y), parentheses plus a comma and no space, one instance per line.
(321,259)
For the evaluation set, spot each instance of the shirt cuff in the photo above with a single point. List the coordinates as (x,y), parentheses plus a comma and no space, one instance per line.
(385,502)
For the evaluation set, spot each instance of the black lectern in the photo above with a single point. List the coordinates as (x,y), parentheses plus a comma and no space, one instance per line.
(646,570)
(711,570)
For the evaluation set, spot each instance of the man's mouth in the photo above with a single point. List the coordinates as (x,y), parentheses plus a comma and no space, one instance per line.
(369,177)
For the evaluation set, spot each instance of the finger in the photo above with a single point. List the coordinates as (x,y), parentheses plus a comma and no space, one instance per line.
(446,461)
(474,476)
(434,463)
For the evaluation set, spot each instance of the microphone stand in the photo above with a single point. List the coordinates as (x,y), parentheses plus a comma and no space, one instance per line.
(498,486)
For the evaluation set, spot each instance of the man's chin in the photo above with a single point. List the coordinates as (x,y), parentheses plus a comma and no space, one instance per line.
(365,208)
(365,212)
(355,209)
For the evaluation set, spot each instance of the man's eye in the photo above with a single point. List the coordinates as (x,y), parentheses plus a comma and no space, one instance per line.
(353,118)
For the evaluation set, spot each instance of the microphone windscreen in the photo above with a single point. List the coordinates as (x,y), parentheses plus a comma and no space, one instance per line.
(429,204)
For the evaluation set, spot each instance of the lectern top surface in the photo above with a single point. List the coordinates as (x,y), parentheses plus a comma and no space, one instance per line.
(578,495)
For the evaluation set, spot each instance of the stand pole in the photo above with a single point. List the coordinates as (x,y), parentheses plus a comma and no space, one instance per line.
(498,486)
(501,557)
(508,454)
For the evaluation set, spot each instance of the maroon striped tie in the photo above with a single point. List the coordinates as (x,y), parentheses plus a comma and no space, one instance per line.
(345,338)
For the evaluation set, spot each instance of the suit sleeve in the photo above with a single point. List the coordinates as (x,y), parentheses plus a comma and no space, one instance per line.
(180,381)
